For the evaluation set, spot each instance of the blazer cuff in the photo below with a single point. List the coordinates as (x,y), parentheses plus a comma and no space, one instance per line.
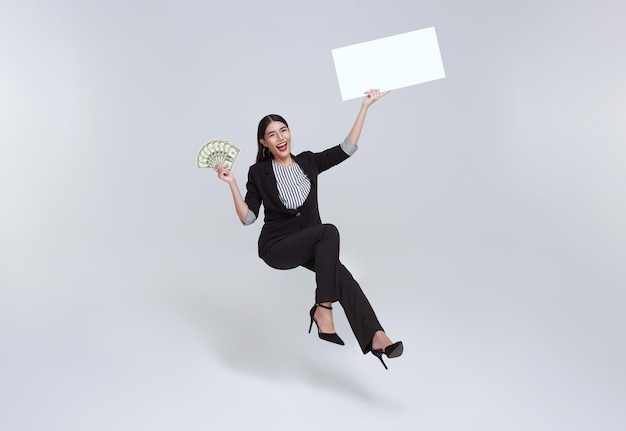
(348,147)
(250,218)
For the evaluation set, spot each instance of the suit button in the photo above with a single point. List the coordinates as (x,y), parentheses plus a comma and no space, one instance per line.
(298,214)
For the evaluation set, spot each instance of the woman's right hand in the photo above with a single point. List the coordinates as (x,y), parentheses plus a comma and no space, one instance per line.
(224,174)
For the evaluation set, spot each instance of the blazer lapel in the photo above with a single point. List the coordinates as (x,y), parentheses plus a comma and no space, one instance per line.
(308,169)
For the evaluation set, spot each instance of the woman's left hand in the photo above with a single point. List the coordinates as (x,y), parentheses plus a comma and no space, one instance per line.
(372,96)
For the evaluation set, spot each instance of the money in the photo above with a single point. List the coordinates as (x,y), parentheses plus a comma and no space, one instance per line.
(231,155)
(217,152)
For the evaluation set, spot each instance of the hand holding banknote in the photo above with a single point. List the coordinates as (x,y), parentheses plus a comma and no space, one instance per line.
(224,174)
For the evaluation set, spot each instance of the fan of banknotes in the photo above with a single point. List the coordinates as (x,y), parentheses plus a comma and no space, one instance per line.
(217,152)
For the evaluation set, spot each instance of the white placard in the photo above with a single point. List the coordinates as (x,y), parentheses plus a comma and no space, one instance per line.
(388,63)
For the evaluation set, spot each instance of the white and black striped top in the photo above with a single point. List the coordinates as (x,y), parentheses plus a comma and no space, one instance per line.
(293,185)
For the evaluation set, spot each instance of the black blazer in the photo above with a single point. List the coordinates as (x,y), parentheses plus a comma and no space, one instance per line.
(280,221)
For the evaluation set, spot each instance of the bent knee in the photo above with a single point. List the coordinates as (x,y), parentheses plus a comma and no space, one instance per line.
(330,230)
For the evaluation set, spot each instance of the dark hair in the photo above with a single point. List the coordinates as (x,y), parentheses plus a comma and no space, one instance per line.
(263,153)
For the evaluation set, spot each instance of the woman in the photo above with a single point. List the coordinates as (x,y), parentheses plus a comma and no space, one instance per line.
(293,234)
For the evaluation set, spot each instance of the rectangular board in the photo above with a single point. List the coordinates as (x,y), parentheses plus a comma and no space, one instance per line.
(388,63)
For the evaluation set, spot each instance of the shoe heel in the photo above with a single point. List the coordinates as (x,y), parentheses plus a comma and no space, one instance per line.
(379,355)
(392,351)
(333,338)
(311,313)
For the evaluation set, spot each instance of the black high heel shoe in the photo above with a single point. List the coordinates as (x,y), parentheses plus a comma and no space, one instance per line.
(391,351)
(333,338)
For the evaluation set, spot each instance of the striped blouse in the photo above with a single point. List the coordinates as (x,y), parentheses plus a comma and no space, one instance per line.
(293,185)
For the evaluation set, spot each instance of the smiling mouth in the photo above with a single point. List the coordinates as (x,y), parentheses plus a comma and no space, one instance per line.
(282,147)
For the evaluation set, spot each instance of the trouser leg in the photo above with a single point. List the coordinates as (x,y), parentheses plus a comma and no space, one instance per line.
(317,248)
(359,311)
(318,243)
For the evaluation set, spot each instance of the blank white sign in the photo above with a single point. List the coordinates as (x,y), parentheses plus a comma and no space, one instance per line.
(388,63)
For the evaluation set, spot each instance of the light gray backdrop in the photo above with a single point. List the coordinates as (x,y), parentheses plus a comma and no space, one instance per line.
(483,215)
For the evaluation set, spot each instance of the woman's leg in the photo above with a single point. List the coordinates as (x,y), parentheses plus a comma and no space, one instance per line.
(359,312)
(317,248)
(317,243)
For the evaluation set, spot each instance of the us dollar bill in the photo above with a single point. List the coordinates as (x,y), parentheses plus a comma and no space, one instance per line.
(231,156)
(217,152)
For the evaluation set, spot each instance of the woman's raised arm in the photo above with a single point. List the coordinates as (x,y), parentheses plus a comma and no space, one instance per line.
(371,96)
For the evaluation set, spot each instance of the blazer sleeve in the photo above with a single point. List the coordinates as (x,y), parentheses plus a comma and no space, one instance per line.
(329,158)
(253,196)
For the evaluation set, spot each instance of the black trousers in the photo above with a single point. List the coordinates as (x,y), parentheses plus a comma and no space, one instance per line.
(317,248)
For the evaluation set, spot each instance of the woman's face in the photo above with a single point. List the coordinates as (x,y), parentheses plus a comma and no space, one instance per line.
(277,139)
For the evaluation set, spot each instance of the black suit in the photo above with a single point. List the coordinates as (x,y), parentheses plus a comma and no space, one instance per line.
(291,238)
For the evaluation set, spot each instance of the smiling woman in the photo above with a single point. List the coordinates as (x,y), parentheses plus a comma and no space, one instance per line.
(293,234)
(274,140)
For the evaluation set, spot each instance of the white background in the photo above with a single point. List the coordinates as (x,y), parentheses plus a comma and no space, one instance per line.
(483,215)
